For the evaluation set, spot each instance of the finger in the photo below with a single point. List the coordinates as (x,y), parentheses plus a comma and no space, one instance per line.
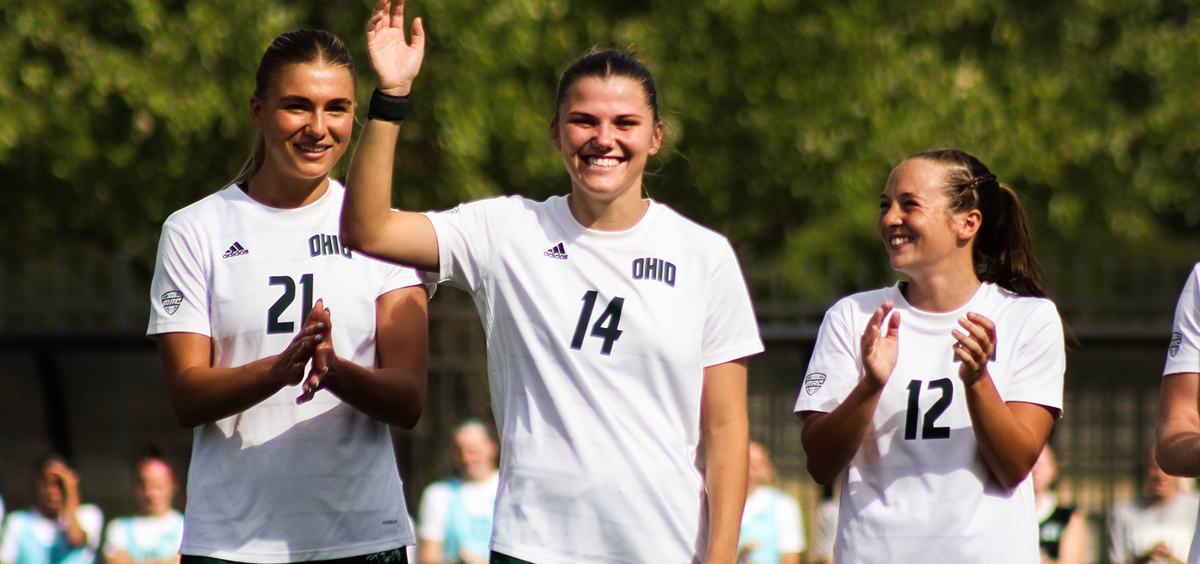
(968,361)
(893,329)
(381,10)
(988,326)
(880,313)
(418,35)
(969,345)
(397,14)
(980,335)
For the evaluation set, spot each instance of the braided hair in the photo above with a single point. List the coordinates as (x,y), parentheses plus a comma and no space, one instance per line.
(1002,252)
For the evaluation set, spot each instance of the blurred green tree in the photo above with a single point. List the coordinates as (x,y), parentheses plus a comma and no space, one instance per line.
(784,116)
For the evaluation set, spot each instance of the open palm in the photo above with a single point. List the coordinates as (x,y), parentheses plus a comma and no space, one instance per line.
(396,62)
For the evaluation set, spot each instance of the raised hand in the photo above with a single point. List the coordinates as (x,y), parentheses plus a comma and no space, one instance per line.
(396,62)
(974,347)
(881,344)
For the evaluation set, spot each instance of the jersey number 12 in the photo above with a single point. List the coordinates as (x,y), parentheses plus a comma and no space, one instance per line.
(929,430)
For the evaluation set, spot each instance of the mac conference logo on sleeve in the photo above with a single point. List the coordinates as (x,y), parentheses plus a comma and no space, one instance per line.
(1176,338)
(813,382)
(171,301)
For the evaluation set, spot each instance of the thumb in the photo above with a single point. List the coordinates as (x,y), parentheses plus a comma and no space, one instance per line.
(418,34)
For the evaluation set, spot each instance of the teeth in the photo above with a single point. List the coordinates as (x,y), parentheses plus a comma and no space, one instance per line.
(312,148)
(602,162)
(896,241)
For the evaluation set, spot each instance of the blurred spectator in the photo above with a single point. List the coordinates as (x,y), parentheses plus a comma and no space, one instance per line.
(58,530)
(827,520)
(456,514)
(1062,530)
(153,536)
(1158,525)
(771,528)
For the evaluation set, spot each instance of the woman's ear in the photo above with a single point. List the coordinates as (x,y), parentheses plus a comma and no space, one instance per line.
(554,135)
(256,112)
(971,222)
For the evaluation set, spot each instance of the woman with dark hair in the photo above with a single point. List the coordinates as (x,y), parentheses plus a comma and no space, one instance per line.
(239,301)
(617,329)
(58,529)
(936,395)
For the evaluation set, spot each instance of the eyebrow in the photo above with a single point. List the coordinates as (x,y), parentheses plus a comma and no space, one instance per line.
(306,100)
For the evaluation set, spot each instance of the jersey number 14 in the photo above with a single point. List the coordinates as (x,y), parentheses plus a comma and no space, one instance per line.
(605,327)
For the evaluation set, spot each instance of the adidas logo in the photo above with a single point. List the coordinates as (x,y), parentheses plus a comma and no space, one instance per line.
(235,250)
(557,251)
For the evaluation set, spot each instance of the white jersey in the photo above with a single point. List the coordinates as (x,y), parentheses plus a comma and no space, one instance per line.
(31,538)
(280,482)
(918,489)
(1137,526)
(597,345)
(144,537)
(1183,355)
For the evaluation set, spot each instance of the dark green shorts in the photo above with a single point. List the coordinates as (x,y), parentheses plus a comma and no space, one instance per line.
(395,556)
(498,558)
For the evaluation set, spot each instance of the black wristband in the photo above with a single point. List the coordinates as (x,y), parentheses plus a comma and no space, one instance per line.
(387,108)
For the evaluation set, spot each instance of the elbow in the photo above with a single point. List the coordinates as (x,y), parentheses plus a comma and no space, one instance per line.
(820,475)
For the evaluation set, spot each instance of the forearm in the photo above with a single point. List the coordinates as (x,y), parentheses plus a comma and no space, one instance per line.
(395,396)
(368,186)
(1178,445)
(203,395)
(73,532)
(725,456)
(831,440)
(430,552)
(1008,445)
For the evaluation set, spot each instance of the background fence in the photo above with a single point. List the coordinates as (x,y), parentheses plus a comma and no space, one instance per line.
(80,376)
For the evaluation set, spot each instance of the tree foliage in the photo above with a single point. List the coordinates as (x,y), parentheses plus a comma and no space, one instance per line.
(785,117)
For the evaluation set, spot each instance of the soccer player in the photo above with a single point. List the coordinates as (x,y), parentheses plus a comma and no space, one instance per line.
(1177,449)
(153,536)
(937,394)
(617,329)
(58,529)
(251,287)
(456,513)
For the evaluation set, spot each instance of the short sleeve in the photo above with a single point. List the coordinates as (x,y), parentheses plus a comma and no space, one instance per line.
(1040,359)
(791,525)
(396,277)
(8,542)
(91,520)
(179,291)
(434,513)
(115,536)
(730,326)
(834,368)
(466,237)
(1183,354)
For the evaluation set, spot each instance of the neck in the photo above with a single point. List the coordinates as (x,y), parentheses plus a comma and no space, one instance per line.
(945,290)
(271,190)
(618,214)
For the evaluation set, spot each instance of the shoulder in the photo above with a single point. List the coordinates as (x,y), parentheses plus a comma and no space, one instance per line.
(702,236)
(1027,312)
(862,303)
(207,209)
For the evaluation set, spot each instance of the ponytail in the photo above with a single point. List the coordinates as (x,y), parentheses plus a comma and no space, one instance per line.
(254,162)
(1003,251)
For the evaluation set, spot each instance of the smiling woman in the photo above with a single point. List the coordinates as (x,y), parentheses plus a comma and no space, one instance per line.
(935,421)
(239,312)
(617,329)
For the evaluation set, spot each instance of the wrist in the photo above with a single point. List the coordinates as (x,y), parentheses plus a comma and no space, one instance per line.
(390,105)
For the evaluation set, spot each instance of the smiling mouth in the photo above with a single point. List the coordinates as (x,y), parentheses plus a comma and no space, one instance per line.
(312,148)
(897,240)
(602,162)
